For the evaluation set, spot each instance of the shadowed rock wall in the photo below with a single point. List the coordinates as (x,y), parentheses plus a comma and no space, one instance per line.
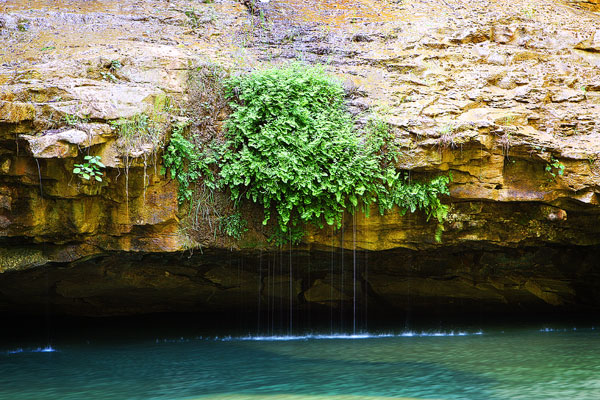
(451,280)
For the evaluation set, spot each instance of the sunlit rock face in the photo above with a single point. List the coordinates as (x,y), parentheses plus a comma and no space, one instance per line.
(503,95)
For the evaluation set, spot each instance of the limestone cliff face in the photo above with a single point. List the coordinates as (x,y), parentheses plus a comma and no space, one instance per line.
(504,95)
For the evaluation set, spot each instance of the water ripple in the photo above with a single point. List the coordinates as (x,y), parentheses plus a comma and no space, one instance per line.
(47,349)
(345,336)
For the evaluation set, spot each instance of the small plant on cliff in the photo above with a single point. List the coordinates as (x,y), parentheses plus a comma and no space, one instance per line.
(90,169)
(113,66)
(140,130)
(553,168)
(73,119)
(234,225)
(193,19)
(446,139)
(23,25)
(197,18)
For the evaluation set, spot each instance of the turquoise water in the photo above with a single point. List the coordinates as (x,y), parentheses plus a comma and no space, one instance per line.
(525,363)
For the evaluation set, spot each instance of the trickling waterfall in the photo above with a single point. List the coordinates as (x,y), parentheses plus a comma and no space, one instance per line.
(331,278)
(291,294)
(271,296)
(260,289)
(342,277)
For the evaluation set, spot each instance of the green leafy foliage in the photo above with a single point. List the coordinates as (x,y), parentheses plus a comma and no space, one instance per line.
(90,169)
(73,119)
(23,25)
(186,164)
(291,146)
(199,17)
(113,66)
(554,167)
(234,225)
(109,76)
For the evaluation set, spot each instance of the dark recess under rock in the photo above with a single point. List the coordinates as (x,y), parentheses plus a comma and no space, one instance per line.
(397,283)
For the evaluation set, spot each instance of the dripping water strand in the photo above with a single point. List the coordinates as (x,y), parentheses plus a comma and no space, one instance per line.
(241,291)
(354,273)
(269,294)
(267,283)
(272,297)
(47,311)
(365,288)
(407,322)
(127,187)
(273,294)
(46,269)
(48,315)
(46,277)
(331,278)
(145,176)
(40,177)
(291,295)
(259,292)
(342,277)
(309,308)
(281,325)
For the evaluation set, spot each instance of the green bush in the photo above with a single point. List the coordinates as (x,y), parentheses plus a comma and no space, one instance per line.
(292,147)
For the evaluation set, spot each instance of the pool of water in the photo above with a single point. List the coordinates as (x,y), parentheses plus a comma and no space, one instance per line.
(533,362)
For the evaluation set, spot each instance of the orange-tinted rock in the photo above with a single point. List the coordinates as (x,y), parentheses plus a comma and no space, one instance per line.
(15,112)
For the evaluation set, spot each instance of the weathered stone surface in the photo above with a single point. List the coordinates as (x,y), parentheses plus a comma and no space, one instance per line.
(590,44)
(593,5)
(62,144)
(21,258)
(15,112)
